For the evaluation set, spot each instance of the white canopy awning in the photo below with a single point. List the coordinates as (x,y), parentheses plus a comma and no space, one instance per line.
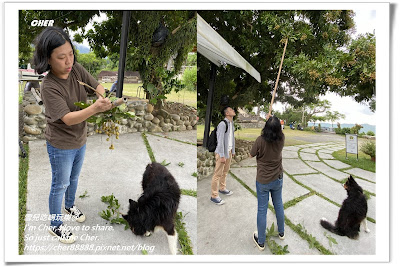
(211,45)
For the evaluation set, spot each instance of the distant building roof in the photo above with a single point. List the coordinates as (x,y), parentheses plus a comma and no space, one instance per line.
(115,73)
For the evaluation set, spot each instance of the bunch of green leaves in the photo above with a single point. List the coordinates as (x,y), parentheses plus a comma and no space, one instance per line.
(168,81)
(331,239)
(115,114)
(165,163)
(112,213)
(273,246)
(311,239)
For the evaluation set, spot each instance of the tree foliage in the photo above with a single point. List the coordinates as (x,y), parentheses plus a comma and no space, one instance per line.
(189,78)
(333,116)
(66,19)
(143,54)
(318,51)
(91,63)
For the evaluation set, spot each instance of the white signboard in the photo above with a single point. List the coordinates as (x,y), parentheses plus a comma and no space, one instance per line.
(351,144)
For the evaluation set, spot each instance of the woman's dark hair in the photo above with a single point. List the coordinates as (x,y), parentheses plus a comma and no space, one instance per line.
(49,39)
(272,131)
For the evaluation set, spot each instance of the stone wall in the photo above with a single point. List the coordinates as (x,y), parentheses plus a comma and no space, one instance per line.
(146,119)
(252,124)
(206,159)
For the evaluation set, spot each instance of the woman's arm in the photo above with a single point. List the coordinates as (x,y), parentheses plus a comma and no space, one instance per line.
(79,116)
(100,89)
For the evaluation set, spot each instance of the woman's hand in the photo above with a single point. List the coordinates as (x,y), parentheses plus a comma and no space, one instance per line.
(102,104)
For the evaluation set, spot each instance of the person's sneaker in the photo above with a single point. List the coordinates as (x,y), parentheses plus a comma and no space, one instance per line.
(226,192)
(217,200)
(76,214)
(62,233)
(261,247)
(281,236)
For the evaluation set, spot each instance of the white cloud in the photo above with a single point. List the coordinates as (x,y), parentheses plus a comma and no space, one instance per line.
(365,21)
(355,112)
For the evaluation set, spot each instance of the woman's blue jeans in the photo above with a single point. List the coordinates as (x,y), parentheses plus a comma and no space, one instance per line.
(263,191)
(66,166)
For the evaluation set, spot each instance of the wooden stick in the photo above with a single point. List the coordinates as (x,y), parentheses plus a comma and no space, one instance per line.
(88,86)
(277,79)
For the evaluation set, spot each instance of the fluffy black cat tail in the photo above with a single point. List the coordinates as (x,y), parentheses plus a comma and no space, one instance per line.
(328,226)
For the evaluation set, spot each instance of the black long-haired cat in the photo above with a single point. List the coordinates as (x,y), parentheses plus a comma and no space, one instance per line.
(352,213)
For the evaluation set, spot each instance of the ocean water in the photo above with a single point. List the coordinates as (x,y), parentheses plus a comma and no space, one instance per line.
(365,129)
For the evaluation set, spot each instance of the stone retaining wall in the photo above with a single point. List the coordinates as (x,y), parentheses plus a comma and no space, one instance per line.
(206,159)
(146,119)
(251,124)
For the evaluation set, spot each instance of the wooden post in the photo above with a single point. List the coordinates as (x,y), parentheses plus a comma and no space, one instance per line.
(277,78)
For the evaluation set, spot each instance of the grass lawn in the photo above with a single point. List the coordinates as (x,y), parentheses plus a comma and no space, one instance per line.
(364,161)
(131,89)
(186,97)
(23,175)
(251,134)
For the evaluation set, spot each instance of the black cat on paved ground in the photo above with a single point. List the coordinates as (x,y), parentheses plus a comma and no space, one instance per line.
(352,213)
(157,206)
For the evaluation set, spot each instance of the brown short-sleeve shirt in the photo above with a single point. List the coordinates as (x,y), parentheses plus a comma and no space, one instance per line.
(269,159)
(59,96)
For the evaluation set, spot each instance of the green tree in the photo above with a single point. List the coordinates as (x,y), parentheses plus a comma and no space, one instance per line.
(334,116)
(66,19)
(358,68)
(91,63)
(143,54)
(311,110)
(189,78)
(317,46)
(191,59)
(314,119)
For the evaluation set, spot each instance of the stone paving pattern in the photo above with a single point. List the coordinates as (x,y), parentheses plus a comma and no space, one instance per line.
(228,229)
(117,172)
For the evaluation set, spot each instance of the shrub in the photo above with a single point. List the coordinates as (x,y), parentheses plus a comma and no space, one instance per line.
(370,133)
(343,131)
(368,148)
(310,129)
(356,129)
(346,130)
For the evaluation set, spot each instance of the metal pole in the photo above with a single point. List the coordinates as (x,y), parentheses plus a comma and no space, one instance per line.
(213,73)
(122,52)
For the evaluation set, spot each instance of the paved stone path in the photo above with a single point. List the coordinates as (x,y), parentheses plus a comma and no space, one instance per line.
(312,189)
(107,172)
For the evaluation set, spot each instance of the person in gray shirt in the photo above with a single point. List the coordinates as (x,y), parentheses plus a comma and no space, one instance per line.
(224,152)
